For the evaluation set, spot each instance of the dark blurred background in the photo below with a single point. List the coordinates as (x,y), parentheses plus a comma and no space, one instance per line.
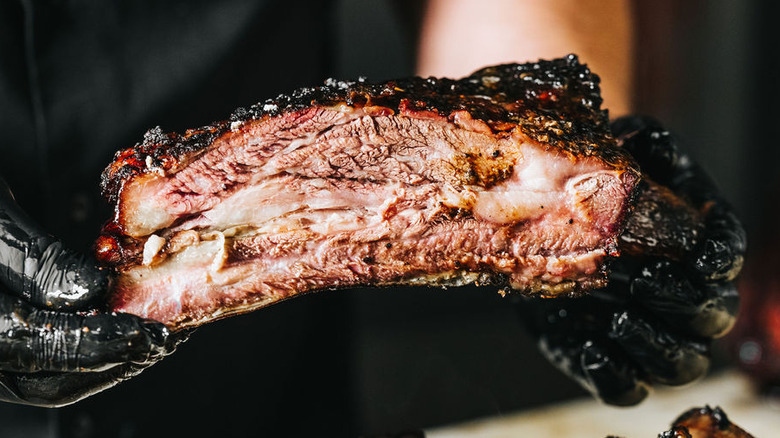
(387,360)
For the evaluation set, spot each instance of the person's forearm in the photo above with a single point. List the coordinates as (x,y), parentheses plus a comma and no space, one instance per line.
(460,36)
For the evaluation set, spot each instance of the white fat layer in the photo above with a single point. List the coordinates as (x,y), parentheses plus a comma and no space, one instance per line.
(182,273)
(220,251)
(271,207)
(143,215)
(541,183)
(202,258)
(152,247)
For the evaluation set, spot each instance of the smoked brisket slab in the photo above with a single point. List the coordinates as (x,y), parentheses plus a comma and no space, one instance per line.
(508,176)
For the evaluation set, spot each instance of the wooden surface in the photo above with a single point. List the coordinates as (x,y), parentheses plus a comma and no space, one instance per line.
(588,418)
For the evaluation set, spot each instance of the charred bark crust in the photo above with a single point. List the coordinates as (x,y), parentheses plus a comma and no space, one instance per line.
(555,102)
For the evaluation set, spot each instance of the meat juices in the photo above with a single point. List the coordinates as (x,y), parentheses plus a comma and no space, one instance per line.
(508,176)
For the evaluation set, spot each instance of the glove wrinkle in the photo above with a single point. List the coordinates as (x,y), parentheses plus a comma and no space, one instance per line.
(57,342)
(33,340)
(19,254)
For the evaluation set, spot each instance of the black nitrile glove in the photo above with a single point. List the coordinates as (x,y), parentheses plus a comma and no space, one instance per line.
(655,321)
(51,354)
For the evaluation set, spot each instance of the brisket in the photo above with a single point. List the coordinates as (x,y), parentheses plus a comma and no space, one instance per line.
(509,176)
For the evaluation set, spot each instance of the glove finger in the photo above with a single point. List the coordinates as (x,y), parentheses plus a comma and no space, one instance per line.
(47,389)
(33,340)
(36,267)
(111,339)
(664,289)
(571,336)
(665,357)
(718,312)
(611,377)
(720,255)
(606,374)
(650,144)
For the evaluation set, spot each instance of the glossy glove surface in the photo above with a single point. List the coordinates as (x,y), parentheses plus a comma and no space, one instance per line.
(50,354)
(655,322)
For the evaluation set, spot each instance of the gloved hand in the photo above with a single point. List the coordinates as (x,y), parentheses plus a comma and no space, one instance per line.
(655,321)
(50,354)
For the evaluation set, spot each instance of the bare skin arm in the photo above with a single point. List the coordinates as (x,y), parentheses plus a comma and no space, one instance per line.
(460,36)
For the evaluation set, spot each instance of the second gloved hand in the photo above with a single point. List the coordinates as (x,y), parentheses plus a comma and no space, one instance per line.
(655,322)
(50,354)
